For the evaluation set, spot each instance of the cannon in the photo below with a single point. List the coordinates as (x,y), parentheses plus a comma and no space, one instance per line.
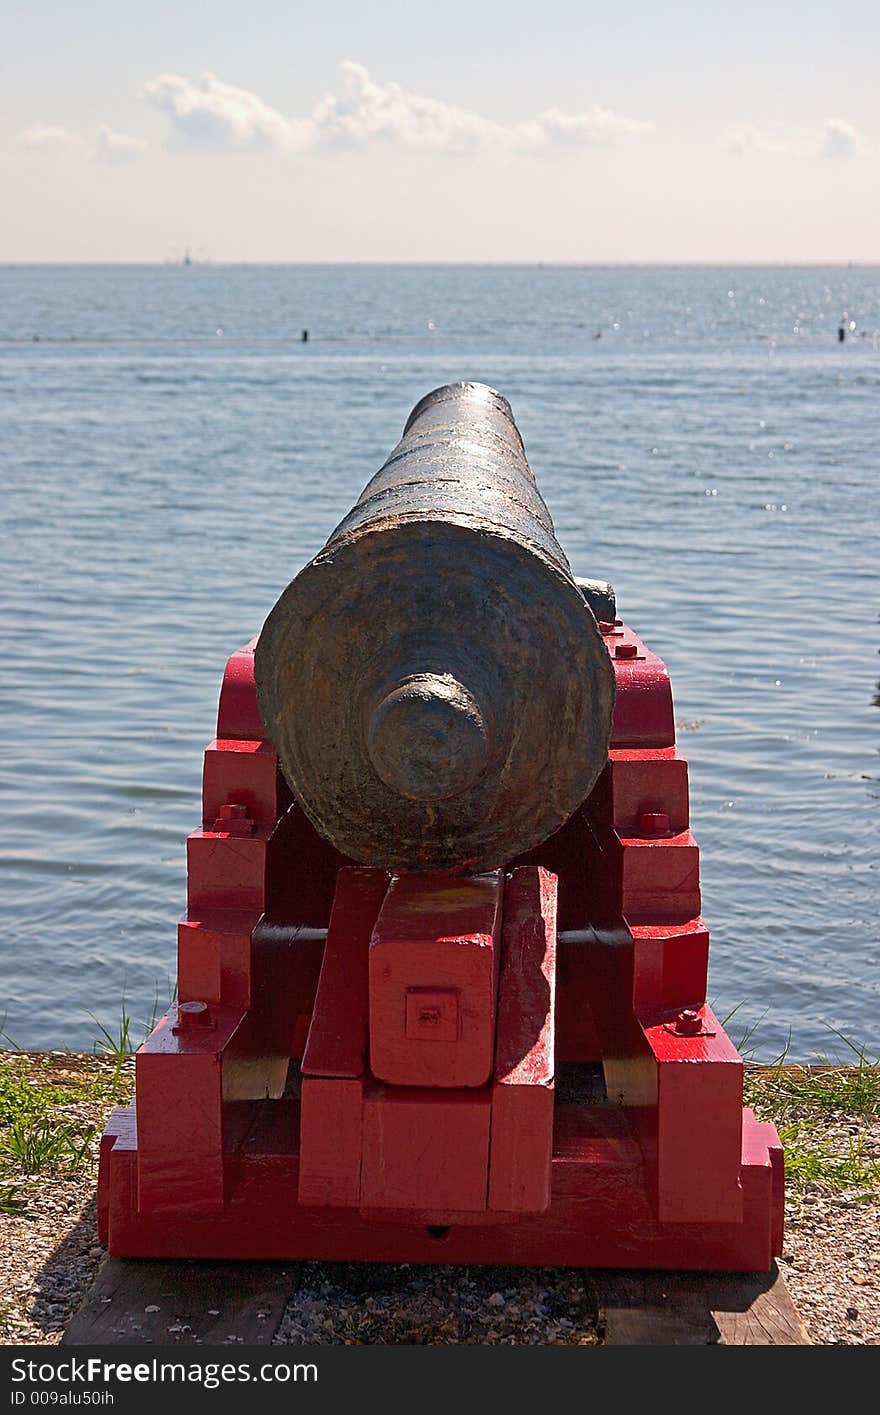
(433,681)
(442,973)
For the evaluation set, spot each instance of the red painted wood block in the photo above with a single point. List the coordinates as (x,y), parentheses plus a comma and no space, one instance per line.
(335,1056)
(119,1177)
(214,957)
(433,970)
(122,1122)
(425,1150)
(601,1215)
(337,1044)
(238,715)
(225,871)
(244,772)
(522,1095)
(670,964)
(179,1080)
(331,1126)
(643,715)
(762,1149)
(648,782)
(661,877)
(699,1121)
(198,962)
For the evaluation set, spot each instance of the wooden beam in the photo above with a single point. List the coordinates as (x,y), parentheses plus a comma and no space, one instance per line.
(141,1302)
(696,1309)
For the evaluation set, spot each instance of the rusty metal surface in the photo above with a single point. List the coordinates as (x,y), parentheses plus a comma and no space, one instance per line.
(601,598)
(434,682)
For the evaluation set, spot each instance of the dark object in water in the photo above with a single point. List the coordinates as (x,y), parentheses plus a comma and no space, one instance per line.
(305,336)
(434,681)
(841,334)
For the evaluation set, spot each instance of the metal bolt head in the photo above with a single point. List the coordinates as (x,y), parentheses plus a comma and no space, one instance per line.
(626,650)
(653,823)
(689,1022)
(193,1014)
(233,819)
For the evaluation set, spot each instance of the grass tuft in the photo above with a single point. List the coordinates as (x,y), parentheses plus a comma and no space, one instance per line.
(11,1198)
(22,1097)
(826,1117)
(48,1109)
(809,1159)
(35,1146)
(119,1041)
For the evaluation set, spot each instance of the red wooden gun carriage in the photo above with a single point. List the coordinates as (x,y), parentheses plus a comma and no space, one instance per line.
(442,974)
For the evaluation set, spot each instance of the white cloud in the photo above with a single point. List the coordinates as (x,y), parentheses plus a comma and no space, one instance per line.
(836,139)
(214,114)
(118,147)
(840,139)
(109,145)
(748,139)
(218,115)
(596,127)
(368,111)
(48,139)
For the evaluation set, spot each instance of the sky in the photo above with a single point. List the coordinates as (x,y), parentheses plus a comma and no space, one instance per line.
(555,130)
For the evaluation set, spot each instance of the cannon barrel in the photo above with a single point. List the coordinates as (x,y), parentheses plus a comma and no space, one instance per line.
(434,682)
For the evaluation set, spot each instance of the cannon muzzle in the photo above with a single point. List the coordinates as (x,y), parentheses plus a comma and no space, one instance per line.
(434,682)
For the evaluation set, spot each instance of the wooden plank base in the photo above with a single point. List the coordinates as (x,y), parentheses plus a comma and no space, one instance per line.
(146,1302)
(141,1302)
(696,1309)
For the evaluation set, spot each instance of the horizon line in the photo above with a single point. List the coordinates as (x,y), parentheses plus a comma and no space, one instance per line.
(197,263)
(535,263)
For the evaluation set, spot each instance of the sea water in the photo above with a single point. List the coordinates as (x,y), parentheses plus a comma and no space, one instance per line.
(173,451)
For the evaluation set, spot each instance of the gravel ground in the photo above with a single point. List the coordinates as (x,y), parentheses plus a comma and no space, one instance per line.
(49,1255)
(47,1264)
(388,1304)
(831,1265)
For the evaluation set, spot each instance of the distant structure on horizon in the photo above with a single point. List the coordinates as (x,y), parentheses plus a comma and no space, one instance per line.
(187,259)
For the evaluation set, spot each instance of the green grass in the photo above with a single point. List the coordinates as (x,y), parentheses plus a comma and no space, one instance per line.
(803,1101)
(810,1160)
(828,1088)
(854,1092)
(11,1200)
(30,1088)
(118,1041)
(114,1043)
(24,1098)
(42,1136)
(35,1146)
(50,1113)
